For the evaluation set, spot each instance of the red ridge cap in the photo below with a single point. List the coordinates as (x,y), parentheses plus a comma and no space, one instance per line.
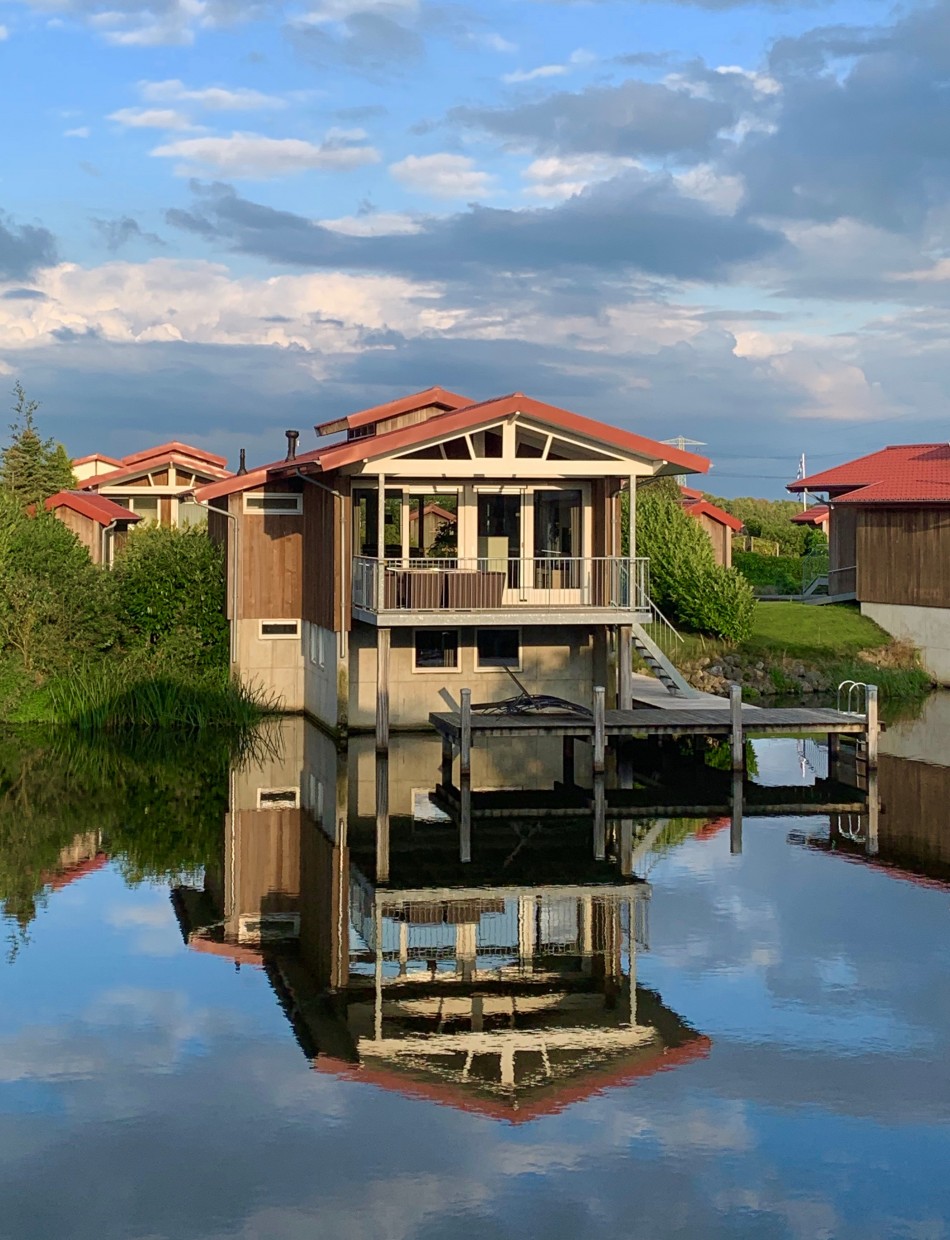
(97,507)
(393,408)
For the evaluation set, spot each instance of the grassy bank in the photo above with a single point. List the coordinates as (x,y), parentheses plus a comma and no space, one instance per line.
(109,696)
(800,648)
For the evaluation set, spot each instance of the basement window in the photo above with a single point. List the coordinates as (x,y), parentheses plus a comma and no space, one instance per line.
(436,648)
(280,628)
(278,798)
(498,648)
(272,504)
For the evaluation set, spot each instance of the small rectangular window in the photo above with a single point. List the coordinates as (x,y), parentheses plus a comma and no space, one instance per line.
(278,798)
(498,648)
(317,645)
(274,504)
(436,648)
(280,628)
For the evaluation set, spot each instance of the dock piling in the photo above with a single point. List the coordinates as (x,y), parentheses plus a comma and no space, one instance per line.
(600,729)
(735,827)
(873,727)
(465,748)
(735,719)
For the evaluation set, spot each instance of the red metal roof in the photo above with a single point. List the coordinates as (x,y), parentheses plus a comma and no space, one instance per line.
(817,514)
(96,456)
(175,448)
(914,473)
(696,506)
(132,469)
(393,408)
(97,507)
(56,880)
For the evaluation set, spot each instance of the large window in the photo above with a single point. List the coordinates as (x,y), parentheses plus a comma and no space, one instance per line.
(433,526)
(436,648)
(498,648)
(365,519)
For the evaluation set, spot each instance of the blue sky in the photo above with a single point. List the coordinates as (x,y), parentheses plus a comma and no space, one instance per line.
(221,218)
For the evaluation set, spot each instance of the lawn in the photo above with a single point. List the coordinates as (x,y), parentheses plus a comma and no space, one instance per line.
(804,629)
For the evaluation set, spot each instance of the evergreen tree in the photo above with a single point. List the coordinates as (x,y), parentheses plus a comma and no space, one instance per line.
(32,468)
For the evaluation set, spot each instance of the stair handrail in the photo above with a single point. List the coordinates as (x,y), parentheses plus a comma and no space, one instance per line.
(857,695)
(658,616)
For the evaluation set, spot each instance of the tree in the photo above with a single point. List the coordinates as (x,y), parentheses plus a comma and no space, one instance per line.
(32,468)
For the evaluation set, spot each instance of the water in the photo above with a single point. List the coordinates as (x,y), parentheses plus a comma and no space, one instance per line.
(199,1038)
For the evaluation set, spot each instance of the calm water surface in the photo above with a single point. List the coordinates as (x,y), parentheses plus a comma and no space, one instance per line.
(217,1021)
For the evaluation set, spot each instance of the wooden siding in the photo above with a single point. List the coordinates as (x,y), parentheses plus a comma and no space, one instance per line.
(719,535)
(271,554)
(88,532)
(911,831)
(324,915)
(903,555)
(408,419)
(605,516)
(325,591)
(842,550)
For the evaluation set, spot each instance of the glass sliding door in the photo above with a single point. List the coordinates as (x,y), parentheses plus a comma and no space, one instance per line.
(557,539)
(433,527)
(499,536)
(365,524)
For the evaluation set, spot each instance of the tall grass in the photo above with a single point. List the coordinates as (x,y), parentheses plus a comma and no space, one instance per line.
(117,697)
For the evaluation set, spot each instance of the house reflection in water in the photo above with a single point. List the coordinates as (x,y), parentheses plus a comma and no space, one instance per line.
(903,829)
(505,986)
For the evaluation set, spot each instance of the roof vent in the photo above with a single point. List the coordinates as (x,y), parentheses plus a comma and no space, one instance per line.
(242,467)
(292,437)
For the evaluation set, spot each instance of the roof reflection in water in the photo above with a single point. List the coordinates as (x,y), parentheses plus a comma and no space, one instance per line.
(505,986)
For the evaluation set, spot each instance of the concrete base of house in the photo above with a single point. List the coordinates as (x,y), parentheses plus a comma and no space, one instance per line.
(928,628)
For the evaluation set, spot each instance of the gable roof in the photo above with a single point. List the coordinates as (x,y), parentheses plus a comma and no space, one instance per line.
(97,507)
(456,422)
(697,506)
(168,454)
(394,408)
(914,473)
(176,448)
(96,456)
(817,514)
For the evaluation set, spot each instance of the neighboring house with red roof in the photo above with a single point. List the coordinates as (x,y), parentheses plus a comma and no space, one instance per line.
(342,606)
(718,524)
(100,524)
(156,483)
(889,542)
(816,517)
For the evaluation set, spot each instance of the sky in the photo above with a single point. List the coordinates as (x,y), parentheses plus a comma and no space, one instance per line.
(727,221)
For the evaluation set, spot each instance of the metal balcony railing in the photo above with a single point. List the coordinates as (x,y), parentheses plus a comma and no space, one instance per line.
(478,584)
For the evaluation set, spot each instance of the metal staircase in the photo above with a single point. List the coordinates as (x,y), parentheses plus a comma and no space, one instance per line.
(659,664)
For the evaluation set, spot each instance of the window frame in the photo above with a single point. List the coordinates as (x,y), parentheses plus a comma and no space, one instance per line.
(278,637)
(281,797)
(265,511)
(500,667)
(439,628)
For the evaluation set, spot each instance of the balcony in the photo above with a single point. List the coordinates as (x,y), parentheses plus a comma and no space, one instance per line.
(539,589)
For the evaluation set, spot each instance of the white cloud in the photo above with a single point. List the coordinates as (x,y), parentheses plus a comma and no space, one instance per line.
(442,176)
(576,60)
(556,177)
(214,98)
(340,10)
(4,33)
(173,25)
(202,303)
(82,132)
(151,118)
(761,83)
(496,43)
(374,224)
(251,156)
(718,190)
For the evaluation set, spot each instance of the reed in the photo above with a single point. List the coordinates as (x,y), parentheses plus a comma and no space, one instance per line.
(122,697)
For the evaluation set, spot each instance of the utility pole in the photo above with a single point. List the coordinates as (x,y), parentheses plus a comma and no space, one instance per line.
(684,445)
(802,474)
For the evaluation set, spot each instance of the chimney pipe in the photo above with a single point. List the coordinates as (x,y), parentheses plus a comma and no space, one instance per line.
(242,467)
(292,437)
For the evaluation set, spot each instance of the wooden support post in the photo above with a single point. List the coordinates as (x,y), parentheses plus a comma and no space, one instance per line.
(465,818)
(874,809)
(382,818)
(465,743)
(600,816)
(446,766)
(382,690)
(873,728)
(735,829)
(403,948)
(632,959)
(625,659)
(626,847)
(567,761)
(600,730)
(624,751)
(735,718)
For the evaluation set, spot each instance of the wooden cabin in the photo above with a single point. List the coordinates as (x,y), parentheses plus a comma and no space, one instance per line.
(100,524)
(815,517)
(718,525)
(157,483)
(889,542)
(343,607)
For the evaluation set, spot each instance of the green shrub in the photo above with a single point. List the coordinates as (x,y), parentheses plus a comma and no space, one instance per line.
(170,587)
(685,581)
(771,574)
